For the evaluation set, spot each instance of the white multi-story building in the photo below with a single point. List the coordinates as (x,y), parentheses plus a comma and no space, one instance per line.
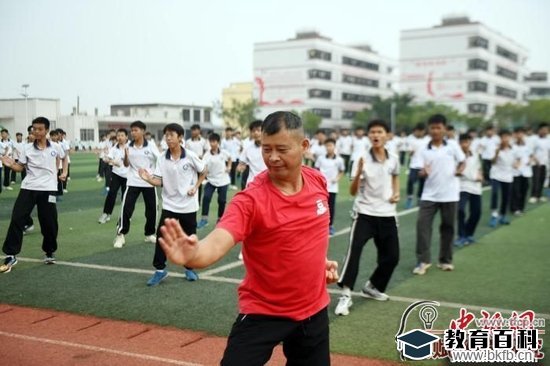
(464,64)
(311,72)
(539,85)
(17,114)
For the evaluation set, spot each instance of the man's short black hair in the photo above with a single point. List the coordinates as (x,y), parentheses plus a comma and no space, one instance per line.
(255,124)
(464,137)
(19,134)
(195,127)
(60,131)
(320,131)
(42,121)
(504,132)
(112,130)
(519,129)
(471,130)
(229,129)
(138,124)
(419,127)
(489,127)
(437,118)
(123,130)
(450,128)
(542,125)
(174,127)
(148,133)
(4,130)
(378,123)
(330,141)
(214,137)
(359,128)
(276,121)
(29,129)
(54,133)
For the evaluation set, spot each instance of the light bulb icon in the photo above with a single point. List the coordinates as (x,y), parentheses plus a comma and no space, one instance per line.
(428,315)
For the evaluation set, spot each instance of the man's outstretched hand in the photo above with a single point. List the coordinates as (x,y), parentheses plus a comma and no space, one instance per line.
(178,246)
(331,272)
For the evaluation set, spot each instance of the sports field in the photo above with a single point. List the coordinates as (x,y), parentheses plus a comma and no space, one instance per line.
(504,270)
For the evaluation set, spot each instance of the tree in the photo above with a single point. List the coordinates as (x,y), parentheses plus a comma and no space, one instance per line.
(240,113)
(311,122)
(381,108)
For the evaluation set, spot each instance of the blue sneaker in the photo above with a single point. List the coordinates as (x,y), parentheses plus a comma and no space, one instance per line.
(331,231)
(202,223)
(158,276)
(191,275)
(504,221)
(460,242)
(493,222)
(409,203)
(470,240)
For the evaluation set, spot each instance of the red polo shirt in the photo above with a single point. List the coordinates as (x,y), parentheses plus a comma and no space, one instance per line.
(285,242)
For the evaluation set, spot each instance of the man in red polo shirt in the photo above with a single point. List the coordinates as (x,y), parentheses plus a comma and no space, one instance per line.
(282,219)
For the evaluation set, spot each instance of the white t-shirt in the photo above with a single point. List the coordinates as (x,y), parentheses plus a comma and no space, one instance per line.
(441,185)
(41,166)
(392,146)
(503,168)
(330,168)
(178,177)
(3,151)
(216,165)
(541,150)
(488,146)
(343,145)
(524,153)
(116,154)
(469,179)
(416,144)
(232,146)
(199,146)
(317,150)
(252,156)
(359,147)
(17,149)
(375,186)
(144,157)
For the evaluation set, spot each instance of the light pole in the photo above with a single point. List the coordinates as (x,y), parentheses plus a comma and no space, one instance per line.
(26,95)
(392,116)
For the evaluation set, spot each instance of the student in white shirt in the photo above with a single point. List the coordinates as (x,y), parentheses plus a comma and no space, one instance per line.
(359,144)
(416,142)
(522,172)
(8,144)
(541,155)
(41,160)
(140,154)
(66,145)
(505,160)
(180,172)
(251,156)
(115,158)
(470,193)
(442,161)
(487,146)
(17,150)
(402,147)
(197,144)
(333,168)
(375,183)
(233,146)
(343,147)
(54,139)
(218,165)
(317,147)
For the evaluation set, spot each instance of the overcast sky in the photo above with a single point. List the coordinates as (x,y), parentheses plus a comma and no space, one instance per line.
(176,51)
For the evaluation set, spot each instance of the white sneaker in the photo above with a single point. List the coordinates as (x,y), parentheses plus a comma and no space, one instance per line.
(104,218)
(233,187)
(372,292)
(543,199)
(240,257)
(533,200)
(119,241)
(446,267)
(99,179)
(9,188)
(28,229)
(65,191)
(344,303)
(151,238)
(421,268)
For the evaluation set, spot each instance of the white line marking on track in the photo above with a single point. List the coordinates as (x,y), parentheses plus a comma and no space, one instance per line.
(98,349)
(237,281)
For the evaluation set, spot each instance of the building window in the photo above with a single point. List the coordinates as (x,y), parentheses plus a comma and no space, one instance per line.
(322,112)
(358,63)
(388,85)
(505,92)
(507,73)
(478,108)
(207,115)
(358,98)
(320,55)
(478,64)
(320,93)
(86,134)
(349,114)
(196,115)
(478,41)
(501,51)
(319,74)
(477,86)
(542,92)
(360,81)
(165,114)
(186,114)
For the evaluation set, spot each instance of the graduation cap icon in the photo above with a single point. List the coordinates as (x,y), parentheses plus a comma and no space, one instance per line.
(416,344)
